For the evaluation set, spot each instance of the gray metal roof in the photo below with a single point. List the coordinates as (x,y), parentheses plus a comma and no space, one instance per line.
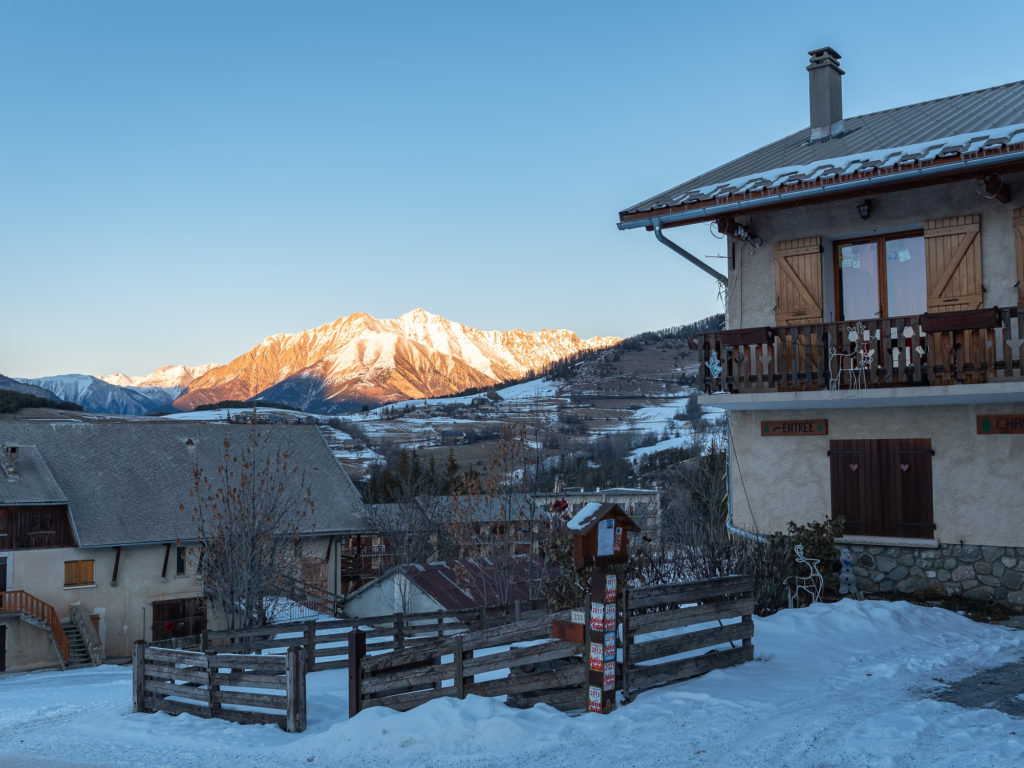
(952,116)
(32,484)
(125,481)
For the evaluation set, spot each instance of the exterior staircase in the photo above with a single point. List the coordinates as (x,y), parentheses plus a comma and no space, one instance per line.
(78,651)
(32,610)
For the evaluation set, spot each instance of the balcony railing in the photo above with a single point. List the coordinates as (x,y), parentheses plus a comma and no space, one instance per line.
(970,347)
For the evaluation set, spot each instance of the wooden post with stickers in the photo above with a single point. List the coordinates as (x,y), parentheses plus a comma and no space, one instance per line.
(599,539)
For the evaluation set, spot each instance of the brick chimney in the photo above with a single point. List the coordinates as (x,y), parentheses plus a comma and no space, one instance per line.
(826,90)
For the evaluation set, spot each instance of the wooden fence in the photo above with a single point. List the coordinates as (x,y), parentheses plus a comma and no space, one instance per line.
(665,626)
(325,643)
(211,685)
(548,669)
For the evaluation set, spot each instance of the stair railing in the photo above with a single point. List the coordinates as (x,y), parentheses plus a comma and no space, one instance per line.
(20,601)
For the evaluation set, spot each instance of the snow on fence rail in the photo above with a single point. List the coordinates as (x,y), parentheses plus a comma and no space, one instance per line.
(450,666)
(325,643)
(211,684)
(655,651)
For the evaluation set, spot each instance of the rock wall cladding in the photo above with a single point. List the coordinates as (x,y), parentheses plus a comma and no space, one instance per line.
(981,572)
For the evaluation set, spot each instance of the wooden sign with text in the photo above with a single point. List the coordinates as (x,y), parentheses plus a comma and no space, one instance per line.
(1001,424)
(797,428)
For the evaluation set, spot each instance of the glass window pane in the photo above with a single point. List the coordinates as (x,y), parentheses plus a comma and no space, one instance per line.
(906,283)
(858,274)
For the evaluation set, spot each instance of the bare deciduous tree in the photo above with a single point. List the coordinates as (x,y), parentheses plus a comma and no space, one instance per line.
(248,512)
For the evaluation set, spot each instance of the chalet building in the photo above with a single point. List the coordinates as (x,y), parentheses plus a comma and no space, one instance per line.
(871,365)
(96,530)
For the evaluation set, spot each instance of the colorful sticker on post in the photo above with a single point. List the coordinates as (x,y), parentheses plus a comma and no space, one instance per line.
(594,699)
(609,588)
(609,646)
(609,617)
(596,657)
(609,676)
(596,617)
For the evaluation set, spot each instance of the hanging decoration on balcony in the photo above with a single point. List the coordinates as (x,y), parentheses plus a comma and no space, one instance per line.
(714,365)
(848,369)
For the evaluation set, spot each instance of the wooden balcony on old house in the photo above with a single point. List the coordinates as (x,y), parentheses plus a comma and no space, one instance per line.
(970,347)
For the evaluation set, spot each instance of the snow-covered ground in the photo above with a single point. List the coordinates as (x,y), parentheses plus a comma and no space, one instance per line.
(846,684)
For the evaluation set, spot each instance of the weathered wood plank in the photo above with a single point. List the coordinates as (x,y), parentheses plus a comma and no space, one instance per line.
(252,680)
(534,681)
(406,679)
(195,658)
(692,592)
(684,617)
(250,699)
(249,717)
(170,672)
(179,691)
(675,671)
(517,657)
(691,641)
(180,707)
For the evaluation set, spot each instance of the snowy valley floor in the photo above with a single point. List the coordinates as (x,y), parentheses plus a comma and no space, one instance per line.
(846,684)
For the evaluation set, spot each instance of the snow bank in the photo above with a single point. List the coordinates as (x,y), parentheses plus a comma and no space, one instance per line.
(831,685)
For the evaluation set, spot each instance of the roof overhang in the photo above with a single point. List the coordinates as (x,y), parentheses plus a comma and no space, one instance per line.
(924,173)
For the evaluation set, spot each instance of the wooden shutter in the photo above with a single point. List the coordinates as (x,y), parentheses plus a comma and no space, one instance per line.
(911,466)
(798,281)
(1018,238)
(854,497)
(952,249)
(77,572)
(883,487)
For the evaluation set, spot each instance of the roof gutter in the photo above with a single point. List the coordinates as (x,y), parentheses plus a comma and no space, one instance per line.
(713,211)
(689,256)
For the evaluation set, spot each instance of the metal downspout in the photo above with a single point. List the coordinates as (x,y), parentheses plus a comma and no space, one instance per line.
(690,257)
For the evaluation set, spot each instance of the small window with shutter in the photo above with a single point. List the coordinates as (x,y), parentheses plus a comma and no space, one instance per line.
(78,573)
(883,487)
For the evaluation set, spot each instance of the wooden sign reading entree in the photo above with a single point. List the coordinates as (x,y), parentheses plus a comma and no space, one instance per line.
(794,428)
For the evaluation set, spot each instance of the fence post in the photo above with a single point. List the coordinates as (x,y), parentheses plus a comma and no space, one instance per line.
(356,651)
(295,677)
(460,659)
(139,677)
(212,687)
(398,631)
(311,645)
(517,612)
(483,617)
(627,644)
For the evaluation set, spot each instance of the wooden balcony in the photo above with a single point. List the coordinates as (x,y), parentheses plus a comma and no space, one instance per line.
(972,347)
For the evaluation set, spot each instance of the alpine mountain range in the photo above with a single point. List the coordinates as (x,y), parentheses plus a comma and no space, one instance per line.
(338,367)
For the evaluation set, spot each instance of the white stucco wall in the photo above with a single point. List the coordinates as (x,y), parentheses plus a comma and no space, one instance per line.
(977,480)
(752,281)
(391,593)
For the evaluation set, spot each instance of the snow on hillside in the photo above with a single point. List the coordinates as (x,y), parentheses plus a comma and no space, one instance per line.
(846,684)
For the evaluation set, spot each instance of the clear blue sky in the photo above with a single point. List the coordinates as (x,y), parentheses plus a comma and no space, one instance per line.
(180,179)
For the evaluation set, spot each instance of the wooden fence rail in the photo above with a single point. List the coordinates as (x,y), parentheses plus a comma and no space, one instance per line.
(548,669)
(208,685)
(325,643)
(663,626)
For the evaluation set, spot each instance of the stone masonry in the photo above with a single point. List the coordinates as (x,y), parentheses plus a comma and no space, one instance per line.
(980,572)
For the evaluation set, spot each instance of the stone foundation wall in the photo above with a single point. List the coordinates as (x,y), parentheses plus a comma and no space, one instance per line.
(980,572)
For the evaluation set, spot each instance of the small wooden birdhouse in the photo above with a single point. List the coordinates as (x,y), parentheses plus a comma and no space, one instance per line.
(599,534)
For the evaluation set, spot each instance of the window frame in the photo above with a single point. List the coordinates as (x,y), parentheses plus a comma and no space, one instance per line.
(79,580)
(892,502)
(883,271)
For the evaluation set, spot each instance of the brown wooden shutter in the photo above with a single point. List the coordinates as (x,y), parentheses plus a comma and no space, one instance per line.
(853,496)
(1018,238)
(798,281)
(952,250)
(912,468)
